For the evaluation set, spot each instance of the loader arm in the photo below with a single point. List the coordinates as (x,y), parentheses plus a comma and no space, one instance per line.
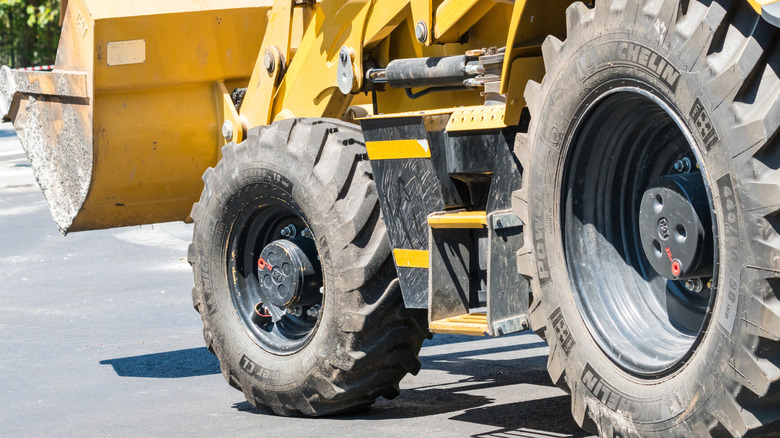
(310,87)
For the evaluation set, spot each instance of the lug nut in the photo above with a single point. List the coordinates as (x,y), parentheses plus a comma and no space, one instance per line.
(683,165)
(694,285)
(295,311)
(289,231)
(314,311)
(306,233)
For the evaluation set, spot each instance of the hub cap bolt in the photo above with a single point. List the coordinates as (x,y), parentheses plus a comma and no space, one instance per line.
(314,311)
(676,268)
(289,231)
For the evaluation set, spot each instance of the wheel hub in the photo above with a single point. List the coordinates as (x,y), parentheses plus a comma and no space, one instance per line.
(637,230)
(675,227)
(287,276)
(274,274)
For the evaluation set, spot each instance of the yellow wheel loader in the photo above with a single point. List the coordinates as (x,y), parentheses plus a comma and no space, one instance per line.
(362,174)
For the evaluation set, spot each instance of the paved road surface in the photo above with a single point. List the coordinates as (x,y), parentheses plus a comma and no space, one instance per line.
(98,338)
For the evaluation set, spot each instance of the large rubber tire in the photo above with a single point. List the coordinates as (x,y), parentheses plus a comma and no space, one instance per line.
(364,341)
(716,67)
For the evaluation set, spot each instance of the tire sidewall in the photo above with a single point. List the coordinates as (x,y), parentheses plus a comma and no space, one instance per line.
(618,397)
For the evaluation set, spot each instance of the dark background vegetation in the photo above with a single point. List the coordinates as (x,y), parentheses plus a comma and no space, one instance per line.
(29,32)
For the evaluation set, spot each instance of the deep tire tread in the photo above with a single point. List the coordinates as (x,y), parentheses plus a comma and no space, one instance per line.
(381,342)
(737,55)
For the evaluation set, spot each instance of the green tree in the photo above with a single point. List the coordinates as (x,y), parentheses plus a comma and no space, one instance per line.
(29,32)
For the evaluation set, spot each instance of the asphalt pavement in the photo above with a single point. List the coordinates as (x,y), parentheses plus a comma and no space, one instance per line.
(98,338)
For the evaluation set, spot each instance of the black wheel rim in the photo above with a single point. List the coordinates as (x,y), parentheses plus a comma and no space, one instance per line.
(260,223)
(625,140)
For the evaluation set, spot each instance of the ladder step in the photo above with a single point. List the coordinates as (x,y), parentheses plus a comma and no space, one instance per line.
(472,324)
(460,219)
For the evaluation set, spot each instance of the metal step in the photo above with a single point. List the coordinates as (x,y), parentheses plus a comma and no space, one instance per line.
(472,324)
(460,219)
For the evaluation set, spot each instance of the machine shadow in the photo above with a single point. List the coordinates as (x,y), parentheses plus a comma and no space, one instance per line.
(548,418)
(478,370)
(191,362)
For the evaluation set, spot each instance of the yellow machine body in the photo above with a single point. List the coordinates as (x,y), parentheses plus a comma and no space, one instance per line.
(123,129)
(148,87)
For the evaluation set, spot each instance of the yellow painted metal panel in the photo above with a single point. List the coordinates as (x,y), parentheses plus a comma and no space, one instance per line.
(129,8)
(453,18)
(179,48)
(433,112)
(523,70)
(145,165)
(387,28)
(473,324)
(157,124)
(411,258)
(135,150)
(309,87)
(276,47)
(398,149)
(477,118)
(449,12)
(460,219)
(531,22)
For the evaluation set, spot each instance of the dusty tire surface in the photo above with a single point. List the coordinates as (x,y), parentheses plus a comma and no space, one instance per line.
(714,67)
(363,341)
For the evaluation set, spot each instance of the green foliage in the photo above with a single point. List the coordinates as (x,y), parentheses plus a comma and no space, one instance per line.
(29,32)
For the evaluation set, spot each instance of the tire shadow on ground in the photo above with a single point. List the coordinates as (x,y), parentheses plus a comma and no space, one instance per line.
(191,362)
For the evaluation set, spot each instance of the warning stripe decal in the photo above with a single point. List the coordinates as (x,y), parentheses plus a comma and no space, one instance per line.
(411,258)
(398,149)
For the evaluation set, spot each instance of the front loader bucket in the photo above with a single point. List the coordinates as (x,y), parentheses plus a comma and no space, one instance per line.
(122,130)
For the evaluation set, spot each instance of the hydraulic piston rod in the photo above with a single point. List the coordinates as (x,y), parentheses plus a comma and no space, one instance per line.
(427,72)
